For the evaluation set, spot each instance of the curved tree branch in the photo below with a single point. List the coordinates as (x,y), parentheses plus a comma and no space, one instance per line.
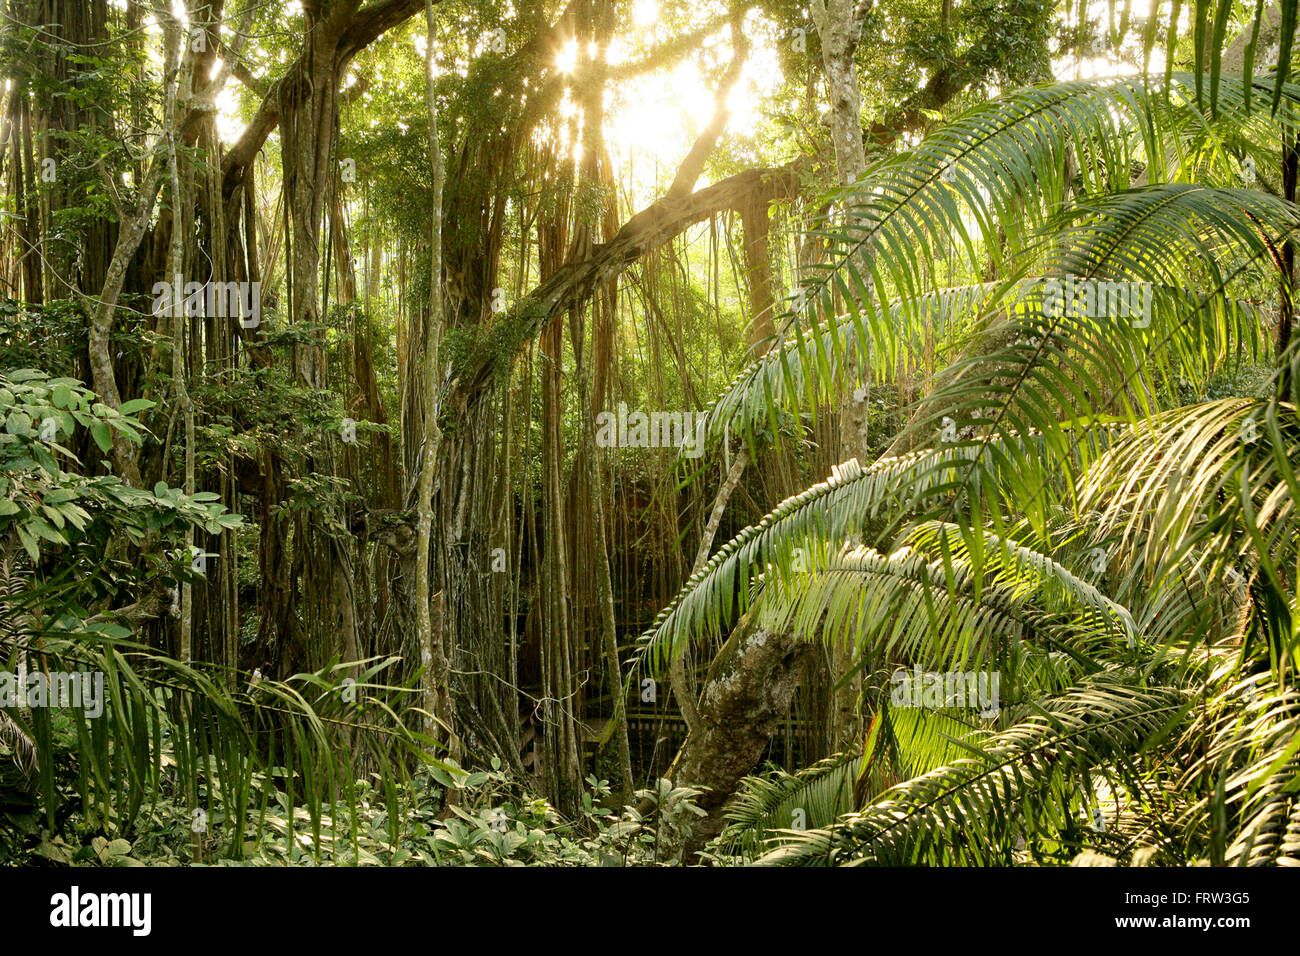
(574,282)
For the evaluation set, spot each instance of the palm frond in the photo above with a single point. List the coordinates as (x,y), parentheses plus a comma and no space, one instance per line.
(813,796)
(832,510)
(1025,779)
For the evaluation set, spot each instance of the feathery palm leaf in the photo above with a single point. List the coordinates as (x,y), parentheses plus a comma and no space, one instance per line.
(1025,779)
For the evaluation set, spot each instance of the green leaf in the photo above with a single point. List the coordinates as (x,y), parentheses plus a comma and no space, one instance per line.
(99,432)
(29,544)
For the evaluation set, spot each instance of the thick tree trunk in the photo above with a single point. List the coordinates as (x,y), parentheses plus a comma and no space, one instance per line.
(839,24)
(750,685)
(308,108)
